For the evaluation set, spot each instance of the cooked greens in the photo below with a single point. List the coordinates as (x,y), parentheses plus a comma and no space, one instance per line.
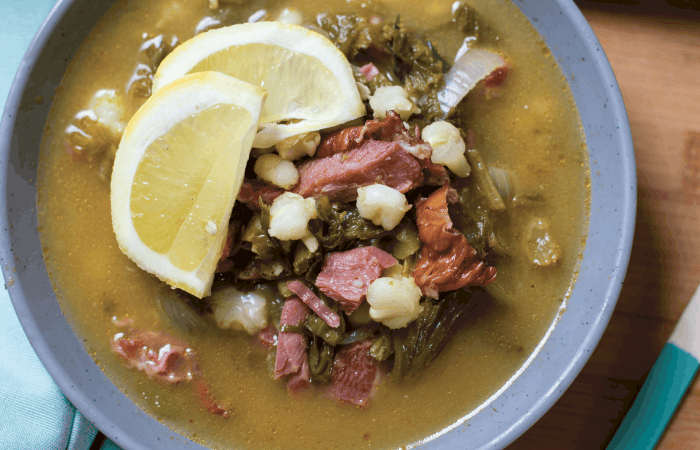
(340,227)
(402,56)
(321,360)
(417,345)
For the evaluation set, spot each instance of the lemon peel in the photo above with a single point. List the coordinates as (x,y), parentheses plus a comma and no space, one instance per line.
(309,81)
(177,174)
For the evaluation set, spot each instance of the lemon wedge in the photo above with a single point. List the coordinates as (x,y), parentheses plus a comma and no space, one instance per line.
(177,174)
(309,81)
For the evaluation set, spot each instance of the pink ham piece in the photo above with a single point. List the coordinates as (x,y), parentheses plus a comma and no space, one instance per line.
(338,176)
(446,262)
(435,174)
(369,71)
(351,137)
(162,357)
(354,374)
(391,129)
(301,380)
(346,276)
(252,190)
(291,347)
(316,304)
(267,336)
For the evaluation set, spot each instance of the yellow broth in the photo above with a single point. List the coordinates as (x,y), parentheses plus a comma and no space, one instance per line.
(532,128)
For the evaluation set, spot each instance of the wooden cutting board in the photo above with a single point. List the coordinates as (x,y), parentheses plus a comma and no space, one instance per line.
(657,63)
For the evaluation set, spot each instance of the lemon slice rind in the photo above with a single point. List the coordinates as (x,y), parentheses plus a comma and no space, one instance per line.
(171,105)
(344,106)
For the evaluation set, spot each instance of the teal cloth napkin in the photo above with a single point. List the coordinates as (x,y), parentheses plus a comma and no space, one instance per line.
(34,413)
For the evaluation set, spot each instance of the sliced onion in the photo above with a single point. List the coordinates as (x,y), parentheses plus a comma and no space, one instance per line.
(472,67)
(503,181)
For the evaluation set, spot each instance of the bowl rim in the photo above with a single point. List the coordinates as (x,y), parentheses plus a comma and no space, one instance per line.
(107,425)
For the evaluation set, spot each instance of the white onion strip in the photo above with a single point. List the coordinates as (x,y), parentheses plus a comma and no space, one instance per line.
(469,69)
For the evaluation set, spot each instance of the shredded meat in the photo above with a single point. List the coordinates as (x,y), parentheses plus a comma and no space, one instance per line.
(338,176)
(291,347)
(390,129)
(435,174)
(267,336)
(346,276)
(354,374)
(301,380)
(447,261)
(252,190)
(316,304)
(162,357)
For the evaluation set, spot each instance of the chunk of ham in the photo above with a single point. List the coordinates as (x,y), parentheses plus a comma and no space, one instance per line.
(346,276)
(338,176)
(391,129)
(301,380)
(292,348)
(252,190)
(316,304)
(354,374)
(162,357)
(435,174)
(267,336)
(447,261)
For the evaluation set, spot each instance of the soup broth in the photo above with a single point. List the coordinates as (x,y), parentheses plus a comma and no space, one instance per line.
(530,128)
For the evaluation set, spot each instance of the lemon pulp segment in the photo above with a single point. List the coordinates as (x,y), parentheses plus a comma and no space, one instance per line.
(177,173)
(298,86)
(309,83)
(183,185)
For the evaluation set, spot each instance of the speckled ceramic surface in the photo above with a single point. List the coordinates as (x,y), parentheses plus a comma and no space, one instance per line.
(500,420)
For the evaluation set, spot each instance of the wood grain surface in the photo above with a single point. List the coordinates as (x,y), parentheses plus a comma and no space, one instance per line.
(656,59)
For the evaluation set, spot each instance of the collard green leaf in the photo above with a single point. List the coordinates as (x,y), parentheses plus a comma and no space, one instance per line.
(305,260)
(339,228)
(320,360)
(357,227)
(480,173)
(472,216)
(382,348)
(359,334)
(416,346)
(267,269)
(324,331)
(298,329)
(353,34)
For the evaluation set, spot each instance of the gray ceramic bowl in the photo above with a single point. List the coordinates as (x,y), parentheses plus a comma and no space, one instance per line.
(519,404)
